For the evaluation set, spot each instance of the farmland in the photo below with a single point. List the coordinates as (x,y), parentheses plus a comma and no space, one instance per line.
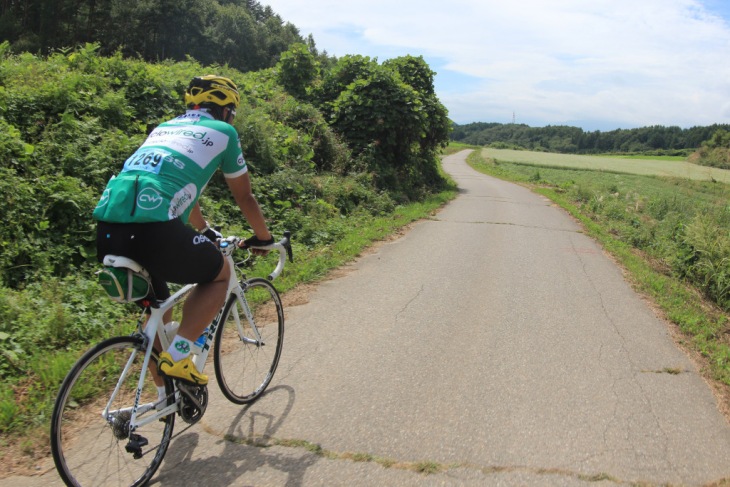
(669,167)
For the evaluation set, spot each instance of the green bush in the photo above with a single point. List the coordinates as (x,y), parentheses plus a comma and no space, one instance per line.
(69,120)
(57,313)
(715,152)
(708,260)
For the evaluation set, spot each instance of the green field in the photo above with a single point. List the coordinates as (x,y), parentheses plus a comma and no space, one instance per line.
(629,165)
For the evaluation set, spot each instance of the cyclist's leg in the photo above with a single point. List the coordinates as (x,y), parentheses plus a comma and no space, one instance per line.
(183,256)
(177,253)
(198,311)
(203,304)
(161,292)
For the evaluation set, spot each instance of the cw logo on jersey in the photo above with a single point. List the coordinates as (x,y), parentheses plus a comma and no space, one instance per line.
(149,199)
(104,198)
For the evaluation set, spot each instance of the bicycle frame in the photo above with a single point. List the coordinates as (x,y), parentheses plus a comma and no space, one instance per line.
(153,328)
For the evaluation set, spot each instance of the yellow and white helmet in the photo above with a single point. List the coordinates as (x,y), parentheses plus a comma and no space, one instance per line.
(212,89)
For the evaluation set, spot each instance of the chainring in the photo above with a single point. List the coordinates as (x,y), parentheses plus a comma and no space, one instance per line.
(193,402)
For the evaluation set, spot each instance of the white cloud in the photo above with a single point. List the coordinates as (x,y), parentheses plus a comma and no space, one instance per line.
(623,62)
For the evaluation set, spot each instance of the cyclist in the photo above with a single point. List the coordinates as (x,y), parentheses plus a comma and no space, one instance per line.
(144,212)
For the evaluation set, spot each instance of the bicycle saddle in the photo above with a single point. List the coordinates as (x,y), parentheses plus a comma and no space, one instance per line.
(120,261)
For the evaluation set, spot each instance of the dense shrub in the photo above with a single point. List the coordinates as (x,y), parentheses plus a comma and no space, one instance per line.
(715,152)
(707,258)
(394,129)
(69,121)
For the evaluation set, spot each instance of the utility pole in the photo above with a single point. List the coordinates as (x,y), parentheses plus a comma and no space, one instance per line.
(513,118)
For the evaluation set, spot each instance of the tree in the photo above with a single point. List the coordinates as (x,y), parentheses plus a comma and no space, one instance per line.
(393,127)
(297,70)
(346,70)
(415,72)
(241,33)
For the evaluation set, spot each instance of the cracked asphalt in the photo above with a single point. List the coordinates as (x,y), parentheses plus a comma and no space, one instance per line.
(494,344)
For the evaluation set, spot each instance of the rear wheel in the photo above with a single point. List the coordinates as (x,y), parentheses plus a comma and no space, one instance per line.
(92,445)
(248,346)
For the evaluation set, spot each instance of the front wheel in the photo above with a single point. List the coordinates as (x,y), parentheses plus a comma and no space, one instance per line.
(249,340)
(90,436)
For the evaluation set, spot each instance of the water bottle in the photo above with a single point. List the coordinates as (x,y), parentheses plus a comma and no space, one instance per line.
(200,342)
(170,330)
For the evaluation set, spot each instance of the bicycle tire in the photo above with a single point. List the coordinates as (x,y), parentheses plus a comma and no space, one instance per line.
(90,450)
(244,366)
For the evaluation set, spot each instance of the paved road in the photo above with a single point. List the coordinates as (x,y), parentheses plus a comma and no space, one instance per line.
(496,342)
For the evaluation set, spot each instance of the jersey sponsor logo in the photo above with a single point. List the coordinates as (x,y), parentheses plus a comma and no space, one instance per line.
(149,199)
(182,200)
(186,117)
(190,116)
(187,132)
(104,200)
(200,144)
(200,239)
(178,163)
(241,161)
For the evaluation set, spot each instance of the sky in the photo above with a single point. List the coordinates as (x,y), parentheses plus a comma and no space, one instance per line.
(594,64)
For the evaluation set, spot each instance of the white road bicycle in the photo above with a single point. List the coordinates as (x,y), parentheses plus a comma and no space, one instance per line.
(108,425)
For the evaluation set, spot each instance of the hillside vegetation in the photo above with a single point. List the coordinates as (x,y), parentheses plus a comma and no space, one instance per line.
(714,152)
(337,152)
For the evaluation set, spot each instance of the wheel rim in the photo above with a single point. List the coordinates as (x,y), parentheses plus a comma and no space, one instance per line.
(91,450)
(246,365)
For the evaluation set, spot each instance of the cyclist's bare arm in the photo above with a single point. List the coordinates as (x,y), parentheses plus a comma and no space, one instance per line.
(196,218)
(241,189)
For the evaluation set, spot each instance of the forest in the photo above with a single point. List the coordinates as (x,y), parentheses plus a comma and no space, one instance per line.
(240,33)
(656,140)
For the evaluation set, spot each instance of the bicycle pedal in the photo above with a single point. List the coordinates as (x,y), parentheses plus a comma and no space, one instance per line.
(136,442)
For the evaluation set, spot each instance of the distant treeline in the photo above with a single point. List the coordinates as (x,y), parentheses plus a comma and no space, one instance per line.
(564,139)
(240,33)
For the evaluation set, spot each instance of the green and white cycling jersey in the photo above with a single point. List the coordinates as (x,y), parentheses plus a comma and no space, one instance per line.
(163,179)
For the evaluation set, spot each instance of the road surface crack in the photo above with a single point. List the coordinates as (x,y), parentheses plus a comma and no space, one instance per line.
(510,224)
(408,304)
(633,379)
(420,467)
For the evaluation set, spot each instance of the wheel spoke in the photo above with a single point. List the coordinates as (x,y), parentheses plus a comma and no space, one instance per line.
(249,341)
(90,448)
